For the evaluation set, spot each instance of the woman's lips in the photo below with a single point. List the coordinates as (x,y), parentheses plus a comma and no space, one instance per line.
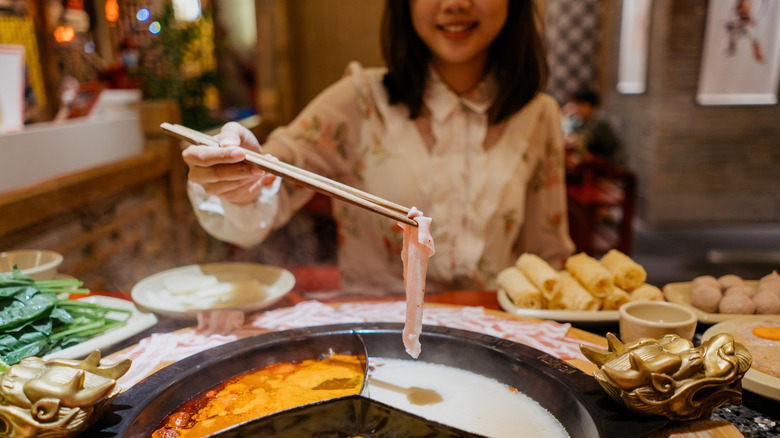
(457,30)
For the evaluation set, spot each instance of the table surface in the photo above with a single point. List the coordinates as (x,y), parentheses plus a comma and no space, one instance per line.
(756,417)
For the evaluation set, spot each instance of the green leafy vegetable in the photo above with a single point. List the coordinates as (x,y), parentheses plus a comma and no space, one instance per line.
(34,321)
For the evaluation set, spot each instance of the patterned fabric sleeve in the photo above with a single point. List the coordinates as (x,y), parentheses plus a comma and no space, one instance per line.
(243,225)
(320,139)
(546,227)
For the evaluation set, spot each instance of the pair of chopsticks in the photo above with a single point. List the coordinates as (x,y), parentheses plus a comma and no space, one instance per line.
(308,179)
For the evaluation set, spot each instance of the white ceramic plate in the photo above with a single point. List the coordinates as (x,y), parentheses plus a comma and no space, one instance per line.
(149,293)
(680,293)
(581,316)
(755,381)
(136,323)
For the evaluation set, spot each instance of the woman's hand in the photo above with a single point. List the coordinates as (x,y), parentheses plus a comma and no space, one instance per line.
(222,172)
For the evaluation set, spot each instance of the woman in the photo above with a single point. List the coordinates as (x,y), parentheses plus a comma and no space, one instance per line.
(456,126)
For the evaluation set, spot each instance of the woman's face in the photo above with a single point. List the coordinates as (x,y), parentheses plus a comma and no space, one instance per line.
(458,31)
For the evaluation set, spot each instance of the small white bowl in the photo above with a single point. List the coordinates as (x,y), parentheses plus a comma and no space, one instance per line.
(36,263)
(653,319)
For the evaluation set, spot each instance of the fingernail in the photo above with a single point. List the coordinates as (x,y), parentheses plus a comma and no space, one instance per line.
(269,180)
(230,141)
(236,153)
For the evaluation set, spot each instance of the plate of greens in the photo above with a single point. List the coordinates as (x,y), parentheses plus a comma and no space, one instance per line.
(38,319)
(135,321)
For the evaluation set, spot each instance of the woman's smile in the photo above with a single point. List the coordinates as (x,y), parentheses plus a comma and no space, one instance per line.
(458,30)
(458,34)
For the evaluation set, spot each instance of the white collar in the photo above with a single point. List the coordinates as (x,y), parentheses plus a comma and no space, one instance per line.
(441,101)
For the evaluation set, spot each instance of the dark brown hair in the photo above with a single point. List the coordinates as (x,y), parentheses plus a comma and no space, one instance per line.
(516,57)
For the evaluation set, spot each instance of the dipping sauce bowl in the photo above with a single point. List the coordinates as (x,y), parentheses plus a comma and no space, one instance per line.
(38,264)
(653,319)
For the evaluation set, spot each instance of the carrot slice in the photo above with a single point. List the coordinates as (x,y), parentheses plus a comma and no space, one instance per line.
(772,333)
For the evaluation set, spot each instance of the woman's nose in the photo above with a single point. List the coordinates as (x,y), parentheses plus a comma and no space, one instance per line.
(456,5)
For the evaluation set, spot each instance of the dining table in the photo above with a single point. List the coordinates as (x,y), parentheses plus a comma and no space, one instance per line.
(757,416)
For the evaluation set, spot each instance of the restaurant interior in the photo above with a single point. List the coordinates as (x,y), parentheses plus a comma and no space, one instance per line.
(87,171)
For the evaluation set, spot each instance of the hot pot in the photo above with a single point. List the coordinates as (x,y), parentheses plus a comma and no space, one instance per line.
(574,398)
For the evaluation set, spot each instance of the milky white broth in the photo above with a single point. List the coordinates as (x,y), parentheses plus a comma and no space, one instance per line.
(468,401)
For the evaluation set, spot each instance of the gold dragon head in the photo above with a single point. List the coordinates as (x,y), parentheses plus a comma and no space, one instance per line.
(58,397)
(668,376)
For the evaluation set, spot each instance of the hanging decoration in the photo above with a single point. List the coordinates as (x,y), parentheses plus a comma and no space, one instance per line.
(741,58)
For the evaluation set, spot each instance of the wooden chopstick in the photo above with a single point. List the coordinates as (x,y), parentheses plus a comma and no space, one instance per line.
(189,134)
(304,177)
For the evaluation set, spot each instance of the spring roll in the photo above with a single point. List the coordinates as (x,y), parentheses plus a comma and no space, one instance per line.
(615,298)
(520,289)
(594,277)
(647,292)
(541,274)
(572,296)
(628,274)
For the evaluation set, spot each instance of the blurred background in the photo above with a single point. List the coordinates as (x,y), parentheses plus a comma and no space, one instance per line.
(85,169)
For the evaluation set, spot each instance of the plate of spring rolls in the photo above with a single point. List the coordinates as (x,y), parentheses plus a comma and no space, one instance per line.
(587,290)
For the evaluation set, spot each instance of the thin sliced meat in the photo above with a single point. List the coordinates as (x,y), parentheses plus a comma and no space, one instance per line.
(417,248)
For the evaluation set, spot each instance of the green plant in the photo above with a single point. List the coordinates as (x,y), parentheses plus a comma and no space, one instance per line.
(172,66)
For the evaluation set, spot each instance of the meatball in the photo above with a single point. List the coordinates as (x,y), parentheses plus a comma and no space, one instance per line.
(729,280)
(774,276)
(767,303)
(706,298)
(704,280)
(743,289)
(771,286)
(737,303)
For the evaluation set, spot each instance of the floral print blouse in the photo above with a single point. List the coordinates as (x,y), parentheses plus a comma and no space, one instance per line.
(488,205)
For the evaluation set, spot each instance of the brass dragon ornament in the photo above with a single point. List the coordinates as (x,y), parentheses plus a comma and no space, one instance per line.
(58,397)
(668,376)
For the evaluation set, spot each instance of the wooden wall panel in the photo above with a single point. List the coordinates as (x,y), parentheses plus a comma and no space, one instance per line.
(696,164)
(328,34)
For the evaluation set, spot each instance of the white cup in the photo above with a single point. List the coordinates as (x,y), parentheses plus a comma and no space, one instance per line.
(653,319)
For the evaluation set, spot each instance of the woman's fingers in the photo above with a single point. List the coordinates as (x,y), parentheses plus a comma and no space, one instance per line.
(208,164)
(239,191)
(203,156)
(224,172)
(246,192)
(236,134)
(241,194)
(223,187)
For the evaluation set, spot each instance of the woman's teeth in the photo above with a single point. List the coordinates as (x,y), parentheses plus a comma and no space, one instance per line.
(455,28)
